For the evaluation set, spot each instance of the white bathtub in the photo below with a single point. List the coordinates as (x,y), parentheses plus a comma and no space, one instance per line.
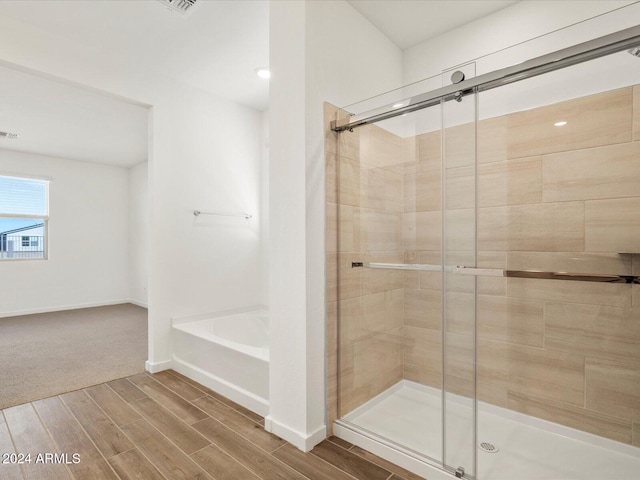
(227,353)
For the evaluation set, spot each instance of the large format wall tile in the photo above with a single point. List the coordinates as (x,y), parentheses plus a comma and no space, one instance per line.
(460,188)
(375,280)
(600,119)
(380,148)
(348,181)
(460,145)
(423,308)
(380,231)
(612,225)
(429,154)
(492,140)
(608,426)
(573,262)
(636,112)
(613,388)
(425,228)
(459,230)
(459,364)
(422,192)
(612,171)
(423,356)
(603,332)
(513,320)
(381,190)
(553,227)
(514,182)
(590,293)
(331,177)
(533,371)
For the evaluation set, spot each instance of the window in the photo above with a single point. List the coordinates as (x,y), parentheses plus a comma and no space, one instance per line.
(24,216)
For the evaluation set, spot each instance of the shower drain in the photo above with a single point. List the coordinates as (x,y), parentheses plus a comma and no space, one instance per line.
(488,447)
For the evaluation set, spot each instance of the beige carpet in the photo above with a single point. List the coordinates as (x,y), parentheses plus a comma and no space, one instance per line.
(47,354)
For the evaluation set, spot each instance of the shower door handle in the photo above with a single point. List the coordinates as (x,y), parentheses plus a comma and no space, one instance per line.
(479,272)
(536,274)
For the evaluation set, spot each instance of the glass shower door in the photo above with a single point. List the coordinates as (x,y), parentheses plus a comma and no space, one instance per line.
(459,290)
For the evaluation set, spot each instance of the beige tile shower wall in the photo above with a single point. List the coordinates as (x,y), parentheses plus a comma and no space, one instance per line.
(563,199)
(365,307)
(549,198)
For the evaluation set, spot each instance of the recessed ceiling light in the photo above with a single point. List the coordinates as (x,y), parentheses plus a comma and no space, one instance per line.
(263,72)
(560,124)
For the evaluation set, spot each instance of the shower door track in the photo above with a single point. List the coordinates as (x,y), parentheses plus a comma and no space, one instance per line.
(582,52)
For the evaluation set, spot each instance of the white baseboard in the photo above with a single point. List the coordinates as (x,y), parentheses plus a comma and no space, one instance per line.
(239,395)
(139,304)
(61,308)
(157,366)
(297,439)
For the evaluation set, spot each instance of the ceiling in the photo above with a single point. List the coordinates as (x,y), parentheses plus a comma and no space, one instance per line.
(216,47)
(409,22)
(61,120)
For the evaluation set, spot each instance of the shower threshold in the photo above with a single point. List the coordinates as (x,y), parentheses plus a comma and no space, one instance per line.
(409,415)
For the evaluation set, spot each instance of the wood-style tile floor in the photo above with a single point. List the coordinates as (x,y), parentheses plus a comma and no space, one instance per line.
(164,427)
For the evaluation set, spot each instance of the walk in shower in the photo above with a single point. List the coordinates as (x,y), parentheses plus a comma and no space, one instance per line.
(483,265)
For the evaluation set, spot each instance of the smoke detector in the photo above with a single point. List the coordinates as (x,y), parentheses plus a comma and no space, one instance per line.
(11,136)
(182,6)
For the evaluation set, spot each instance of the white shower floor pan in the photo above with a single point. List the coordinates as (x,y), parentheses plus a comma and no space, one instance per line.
(409,414)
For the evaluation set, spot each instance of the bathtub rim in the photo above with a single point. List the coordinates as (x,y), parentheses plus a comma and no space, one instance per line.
(182,324)
(215,314)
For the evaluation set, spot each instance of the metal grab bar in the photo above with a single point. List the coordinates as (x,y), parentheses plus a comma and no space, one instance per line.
(496,272)
(197,213)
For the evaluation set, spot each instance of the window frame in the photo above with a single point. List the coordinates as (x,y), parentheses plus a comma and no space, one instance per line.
(44,218)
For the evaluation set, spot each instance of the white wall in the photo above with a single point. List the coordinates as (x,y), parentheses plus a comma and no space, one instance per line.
(264,211)
(138,233)
(494,41)
(319,51)
(88,239)
(204,154)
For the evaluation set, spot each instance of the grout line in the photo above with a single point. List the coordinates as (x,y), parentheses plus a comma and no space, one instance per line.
(197,451)
(74,418)
(206,394)
(171,391)
(135,444)
(326,461)
(340,469)
(55,444)
(13,443)
(175,391)
(148,459)
(252,443)
(121,397)
(274,451)
(162,408)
